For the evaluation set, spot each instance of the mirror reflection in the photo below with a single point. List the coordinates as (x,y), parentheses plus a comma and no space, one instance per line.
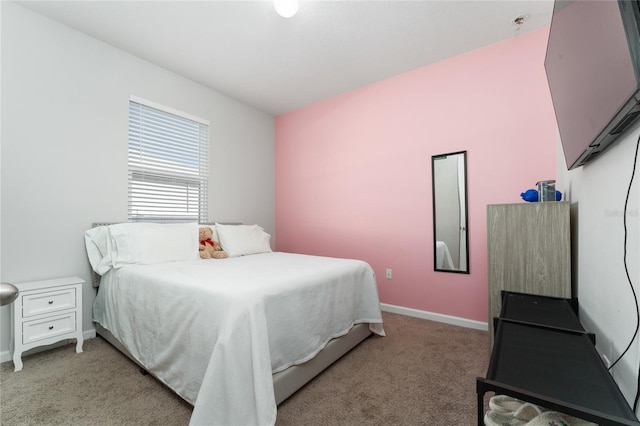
(451,245)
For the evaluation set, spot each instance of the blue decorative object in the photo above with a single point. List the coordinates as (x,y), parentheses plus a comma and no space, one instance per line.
(531,195)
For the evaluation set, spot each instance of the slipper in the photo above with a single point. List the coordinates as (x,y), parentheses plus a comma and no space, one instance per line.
(519,409)
(528,412)
(553,418)
(504,404)
(574,421)
(508,411)
(548,418)
(494,418)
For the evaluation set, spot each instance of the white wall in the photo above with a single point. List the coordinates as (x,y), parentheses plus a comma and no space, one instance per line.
(597,193)
(64,147)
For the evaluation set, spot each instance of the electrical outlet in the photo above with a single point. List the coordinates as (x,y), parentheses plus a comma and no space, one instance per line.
(389,274)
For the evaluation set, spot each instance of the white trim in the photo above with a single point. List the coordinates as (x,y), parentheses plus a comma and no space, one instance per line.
(86,334)
(167,109)
(462,322)
(89,334)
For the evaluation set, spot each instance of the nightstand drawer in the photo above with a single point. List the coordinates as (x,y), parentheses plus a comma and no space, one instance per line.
(51,301)
(48,327)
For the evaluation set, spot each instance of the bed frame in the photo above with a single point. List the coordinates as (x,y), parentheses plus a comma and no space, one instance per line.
(286,382)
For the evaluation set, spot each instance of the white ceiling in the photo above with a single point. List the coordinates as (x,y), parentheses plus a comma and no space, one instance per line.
(245,50)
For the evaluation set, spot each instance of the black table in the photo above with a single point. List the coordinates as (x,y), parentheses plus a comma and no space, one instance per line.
(543,310)
(543,355)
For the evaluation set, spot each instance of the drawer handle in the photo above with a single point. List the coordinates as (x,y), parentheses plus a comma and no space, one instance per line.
(51,302)
(50,327)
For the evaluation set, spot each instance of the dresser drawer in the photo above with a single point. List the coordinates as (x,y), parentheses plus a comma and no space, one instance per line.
(47,302)
(45,328)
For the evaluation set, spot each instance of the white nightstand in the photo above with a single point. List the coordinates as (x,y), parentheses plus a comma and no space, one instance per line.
(46,312)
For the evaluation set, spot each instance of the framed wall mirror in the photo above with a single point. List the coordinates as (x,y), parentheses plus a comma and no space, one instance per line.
(451,242)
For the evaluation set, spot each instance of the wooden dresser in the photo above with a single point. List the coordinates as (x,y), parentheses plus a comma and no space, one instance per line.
(529,251)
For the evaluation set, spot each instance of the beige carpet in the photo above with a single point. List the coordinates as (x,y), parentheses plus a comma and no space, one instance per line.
(422,373)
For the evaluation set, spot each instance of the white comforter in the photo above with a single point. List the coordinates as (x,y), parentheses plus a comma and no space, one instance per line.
(216,330)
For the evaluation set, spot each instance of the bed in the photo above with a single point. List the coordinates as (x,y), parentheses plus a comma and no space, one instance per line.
(234,337)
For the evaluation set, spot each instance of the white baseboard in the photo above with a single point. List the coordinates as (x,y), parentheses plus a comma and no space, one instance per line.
(86,334)
(89,334)
(462,322)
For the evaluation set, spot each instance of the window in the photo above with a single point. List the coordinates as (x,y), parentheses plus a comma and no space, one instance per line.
(168,164)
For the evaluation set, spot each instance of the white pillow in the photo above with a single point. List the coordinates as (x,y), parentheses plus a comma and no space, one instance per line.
(96,241)
(147,243)
(240,240)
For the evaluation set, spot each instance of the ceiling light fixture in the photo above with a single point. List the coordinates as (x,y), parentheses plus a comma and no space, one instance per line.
(286,8)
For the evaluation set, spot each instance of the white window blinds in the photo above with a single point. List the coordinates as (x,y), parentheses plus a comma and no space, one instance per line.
(168,164)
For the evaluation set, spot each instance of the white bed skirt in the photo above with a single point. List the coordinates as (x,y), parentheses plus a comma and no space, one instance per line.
(286,382)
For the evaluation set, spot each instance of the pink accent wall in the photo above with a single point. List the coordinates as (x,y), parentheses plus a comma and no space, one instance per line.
(353,173)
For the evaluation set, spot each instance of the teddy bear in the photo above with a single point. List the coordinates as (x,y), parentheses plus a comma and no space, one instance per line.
(210,249)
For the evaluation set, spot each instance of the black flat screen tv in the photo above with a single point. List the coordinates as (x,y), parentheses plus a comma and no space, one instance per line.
(593,70)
